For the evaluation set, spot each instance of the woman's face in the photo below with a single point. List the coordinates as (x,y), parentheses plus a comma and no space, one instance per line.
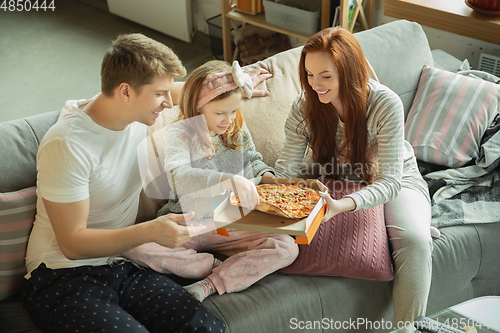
(219,114)
(322,76)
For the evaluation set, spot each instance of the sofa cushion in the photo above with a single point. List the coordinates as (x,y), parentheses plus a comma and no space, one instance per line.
(449,116)
(17,213)
(404,46)
(351,244)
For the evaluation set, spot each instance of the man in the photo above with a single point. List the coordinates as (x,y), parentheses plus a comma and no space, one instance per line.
(88,194)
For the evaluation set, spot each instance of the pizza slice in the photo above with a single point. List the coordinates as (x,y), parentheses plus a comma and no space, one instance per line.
(291,201)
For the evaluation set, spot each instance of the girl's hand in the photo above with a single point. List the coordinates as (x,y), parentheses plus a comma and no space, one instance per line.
(244,190)
(258,76)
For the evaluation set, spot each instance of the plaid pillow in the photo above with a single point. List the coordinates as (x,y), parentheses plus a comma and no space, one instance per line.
(17,213)
(449,115)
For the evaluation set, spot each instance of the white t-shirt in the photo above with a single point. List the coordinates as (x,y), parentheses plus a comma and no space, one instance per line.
(78,159)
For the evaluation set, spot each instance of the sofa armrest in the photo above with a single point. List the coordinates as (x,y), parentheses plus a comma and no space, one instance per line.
(445,61)
(20,140)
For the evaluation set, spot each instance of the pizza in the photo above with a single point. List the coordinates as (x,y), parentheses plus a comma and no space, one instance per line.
(291,201)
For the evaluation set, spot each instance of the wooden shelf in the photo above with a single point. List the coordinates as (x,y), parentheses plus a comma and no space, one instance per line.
(259,20)
(448,15)
(229,13)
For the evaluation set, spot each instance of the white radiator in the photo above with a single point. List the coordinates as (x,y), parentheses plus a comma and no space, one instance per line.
(172,17)
(489,63)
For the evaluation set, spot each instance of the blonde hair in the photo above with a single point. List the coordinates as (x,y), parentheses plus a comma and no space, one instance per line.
(136,60)
(188,109)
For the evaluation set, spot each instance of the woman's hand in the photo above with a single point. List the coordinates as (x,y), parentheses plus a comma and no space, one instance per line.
(335,207)
(258,76)
(243,188)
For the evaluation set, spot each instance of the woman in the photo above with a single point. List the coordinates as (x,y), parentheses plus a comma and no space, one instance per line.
(355,129)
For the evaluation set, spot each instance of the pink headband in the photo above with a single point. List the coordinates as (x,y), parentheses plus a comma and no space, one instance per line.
(219,83)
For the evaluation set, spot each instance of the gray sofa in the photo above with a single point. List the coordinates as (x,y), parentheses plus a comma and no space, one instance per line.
(465,258)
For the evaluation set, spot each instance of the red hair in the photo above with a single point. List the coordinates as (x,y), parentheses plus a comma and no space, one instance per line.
(322,120)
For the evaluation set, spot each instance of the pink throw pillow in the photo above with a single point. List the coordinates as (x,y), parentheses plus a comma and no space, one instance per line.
(351,244)
(17,213)
(449,116)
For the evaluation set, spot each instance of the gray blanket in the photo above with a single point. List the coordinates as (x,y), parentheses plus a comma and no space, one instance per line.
(470,194)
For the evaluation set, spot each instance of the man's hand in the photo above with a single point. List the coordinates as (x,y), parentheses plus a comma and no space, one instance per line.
(170,233)
(258,75)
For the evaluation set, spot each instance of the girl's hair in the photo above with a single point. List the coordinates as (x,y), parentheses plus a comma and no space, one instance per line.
(136,60)
(188,108)
(322,119)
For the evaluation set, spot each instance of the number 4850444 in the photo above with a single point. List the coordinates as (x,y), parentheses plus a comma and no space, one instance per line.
(27,5)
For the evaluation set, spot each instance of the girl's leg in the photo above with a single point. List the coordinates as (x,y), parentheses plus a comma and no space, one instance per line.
(252,256)
(408,220)
(181,261)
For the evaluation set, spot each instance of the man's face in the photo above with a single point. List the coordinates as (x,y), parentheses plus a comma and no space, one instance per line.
(152,99)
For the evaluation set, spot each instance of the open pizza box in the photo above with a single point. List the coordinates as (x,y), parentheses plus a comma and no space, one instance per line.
(234,217)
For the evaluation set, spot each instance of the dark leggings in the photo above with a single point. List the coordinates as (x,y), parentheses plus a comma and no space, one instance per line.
(119,298)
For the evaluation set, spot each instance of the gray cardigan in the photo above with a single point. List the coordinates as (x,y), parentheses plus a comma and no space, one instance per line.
(195,180)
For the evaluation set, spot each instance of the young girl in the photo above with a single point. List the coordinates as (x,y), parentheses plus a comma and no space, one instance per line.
(209,152)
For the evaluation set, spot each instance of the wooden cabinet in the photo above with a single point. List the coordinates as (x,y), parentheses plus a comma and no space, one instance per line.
(449,15)
(229,13)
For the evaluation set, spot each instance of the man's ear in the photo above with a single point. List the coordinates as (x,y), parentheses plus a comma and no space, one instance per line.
(124,91)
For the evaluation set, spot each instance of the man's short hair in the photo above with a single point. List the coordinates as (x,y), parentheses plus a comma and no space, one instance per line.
(136,60)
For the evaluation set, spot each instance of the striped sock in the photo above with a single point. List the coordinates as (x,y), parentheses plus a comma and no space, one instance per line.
(201,289)
(217,263)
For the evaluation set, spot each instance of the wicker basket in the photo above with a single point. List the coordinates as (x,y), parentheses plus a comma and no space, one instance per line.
(300,16)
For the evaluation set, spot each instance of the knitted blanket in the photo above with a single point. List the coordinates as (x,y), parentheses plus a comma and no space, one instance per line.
(470,194)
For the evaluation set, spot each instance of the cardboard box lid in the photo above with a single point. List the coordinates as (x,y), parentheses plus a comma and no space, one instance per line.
(229,216)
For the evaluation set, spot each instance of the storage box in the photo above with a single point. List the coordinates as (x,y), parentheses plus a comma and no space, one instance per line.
(300,16)
(215,31)
(250,6)
(229,216)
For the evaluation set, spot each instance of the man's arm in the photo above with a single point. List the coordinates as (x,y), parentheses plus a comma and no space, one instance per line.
(69,221)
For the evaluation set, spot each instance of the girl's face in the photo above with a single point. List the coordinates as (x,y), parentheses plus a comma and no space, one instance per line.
(220,113)
(322,76)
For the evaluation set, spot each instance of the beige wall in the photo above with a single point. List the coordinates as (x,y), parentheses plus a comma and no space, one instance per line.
(203,10)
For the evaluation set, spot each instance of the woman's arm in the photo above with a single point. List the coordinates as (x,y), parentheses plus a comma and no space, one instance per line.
(294,148)
(386,123)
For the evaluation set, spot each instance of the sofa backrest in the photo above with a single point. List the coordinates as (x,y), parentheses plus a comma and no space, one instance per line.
(18,148)
(397,52)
